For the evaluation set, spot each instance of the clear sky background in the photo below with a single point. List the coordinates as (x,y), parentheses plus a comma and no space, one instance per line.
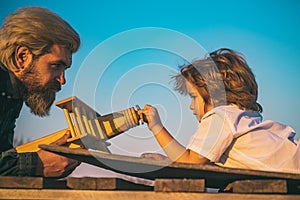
(266,32)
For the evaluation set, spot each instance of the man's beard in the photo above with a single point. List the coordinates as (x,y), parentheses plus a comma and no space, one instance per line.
(37,97)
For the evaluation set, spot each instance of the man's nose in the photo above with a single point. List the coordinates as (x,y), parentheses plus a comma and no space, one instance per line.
(61,79)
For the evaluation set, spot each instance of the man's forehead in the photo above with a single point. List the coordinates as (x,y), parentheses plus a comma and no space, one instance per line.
(61,53)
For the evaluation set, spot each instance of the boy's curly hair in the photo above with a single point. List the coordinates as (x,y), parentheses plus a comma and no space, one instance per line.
(222,78)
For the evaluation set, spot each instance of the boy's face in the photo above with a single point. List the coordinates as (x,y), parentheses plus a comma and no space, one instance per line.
(197,104)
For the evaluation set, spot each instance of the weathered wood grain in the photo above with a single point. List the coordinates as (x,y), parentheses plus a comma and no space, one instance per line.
(17,182)
(132,195)
(179,185)
(90,183)
(21,182)
(259,186)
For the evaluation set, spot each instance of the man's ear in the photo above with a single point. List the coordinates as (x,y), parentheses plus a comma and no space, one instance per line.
(23,57)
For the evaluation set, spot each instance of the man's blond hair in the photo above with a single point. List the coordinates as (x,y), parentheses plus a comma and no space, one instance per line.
(36,28)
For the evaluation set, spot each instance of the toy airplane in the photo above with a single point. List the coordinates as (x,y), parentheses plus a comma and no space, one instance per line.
(88,128)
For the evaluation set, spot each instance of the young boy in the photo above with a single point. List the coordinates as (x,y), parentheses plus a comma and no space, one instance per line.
(231,132)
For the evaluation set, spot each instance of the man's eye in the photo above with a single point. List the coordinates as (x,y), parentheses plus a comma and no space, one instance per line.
(58,66)
(55,65)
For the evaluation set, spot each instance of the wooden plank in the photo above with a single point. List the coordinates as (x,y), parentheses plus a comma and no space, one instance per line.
(129,195)
(18,182)
(215,176)
(21,182)
(179,185)
(90,183)
(258,186)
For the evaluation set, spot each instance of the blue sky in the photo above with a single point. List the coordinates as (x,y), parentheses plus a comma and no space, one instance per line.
(266,32)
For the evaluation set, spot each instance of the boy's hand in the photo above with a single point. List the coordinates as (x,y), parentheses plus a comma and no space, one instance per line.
(53,165)
(153,119)
(155,156)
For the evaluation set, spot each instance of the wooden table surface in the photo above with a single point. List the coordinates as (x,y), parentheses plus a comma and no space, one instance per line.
(124,195)
(215,176)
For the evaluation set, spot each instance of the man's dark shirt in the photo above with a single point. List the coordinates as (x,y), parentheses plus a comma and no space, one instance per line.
(11,162)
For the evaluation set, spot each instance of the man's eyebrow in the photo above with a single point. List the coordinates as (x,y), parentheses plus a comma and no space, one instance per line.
(61,62)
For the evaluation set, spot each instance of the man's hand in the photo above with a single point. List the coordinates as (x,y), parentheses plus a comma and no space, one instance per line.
(53,165)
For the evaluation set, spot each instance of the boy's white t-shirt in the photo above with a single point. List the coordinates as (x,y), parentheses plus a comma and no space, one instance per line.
(231,137)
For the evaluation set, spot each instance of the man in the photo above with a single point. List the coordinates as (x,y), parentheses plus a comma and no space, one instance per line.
(36,48)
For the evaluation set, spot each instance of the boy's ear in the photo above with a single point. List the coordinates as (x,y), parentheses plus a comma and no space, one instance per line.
(23,57)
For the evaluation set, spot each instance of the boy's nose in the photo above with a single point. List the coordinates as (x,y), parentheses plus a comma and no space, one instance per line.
(192,106)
